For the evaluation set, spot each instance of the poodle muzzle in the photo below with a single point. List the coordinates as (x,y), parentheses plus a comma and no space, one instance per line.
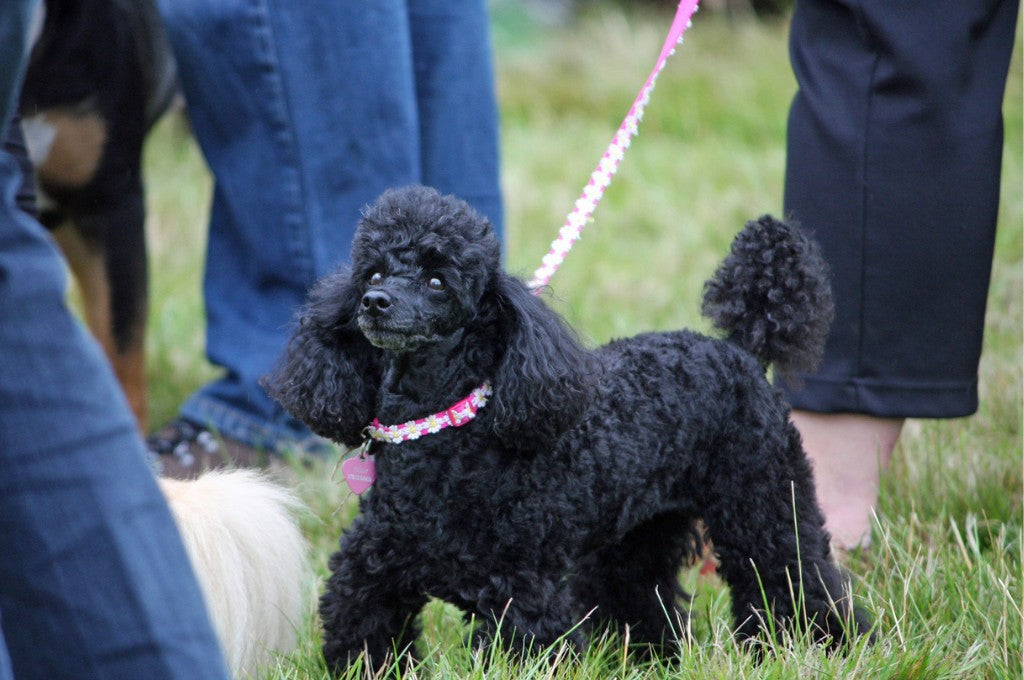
(389,322)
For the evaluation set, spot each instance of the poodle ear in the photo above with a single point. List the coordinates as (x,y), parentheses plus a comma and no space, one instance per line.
(329,375)
(545,378)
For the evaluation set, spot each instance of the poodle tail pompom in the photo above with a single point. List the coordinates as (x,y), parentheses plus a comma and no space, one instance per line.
(772,296)
(241,533)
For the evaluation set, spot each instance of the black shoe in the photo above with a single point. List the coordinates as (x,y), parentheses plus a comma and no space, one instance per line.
(183,450)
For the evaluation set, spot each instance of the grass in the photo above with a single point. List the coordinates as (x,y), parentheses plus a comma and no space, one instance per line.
(943,579)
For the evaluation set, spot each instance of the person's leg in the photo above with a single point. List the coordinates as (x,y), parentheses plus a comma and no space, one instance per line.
(456,101)
(6,672)
(94,580)
(849,452)
(893,159)
(305,113)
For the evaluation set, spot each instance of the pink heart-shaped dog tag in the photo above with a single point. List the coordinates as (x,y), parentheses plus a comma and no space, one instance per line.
(360,473)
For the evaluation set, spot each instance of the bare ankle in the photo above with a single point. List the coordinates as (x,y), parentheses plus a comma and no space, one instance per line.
(849,452)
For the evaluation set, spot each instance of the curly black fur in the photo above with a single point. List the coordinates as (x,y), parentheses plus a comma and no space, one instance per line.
(772,296)
(326,356)
(579,487)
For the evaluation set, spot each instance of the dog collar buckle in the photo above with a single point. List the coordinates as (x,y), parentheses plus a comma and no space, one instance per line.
(461,412)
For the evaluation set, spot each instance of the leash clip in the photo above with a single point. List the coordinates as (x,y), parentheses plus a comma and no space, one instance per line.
(364,448)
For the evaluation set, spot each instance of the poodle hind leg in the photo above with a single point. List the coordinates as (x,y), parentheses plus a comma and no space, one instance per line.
(635,582)
(769,535)
(530,612)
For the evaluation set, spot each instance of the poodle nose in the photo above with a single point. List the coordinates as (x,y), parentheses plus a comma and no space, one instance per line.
(376,302)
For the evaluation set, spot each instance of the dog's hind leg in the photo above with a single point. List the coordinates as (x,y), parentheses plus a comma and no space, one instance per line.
(532,610)
(127,274)
(768,531)
(635,582)
(111,273)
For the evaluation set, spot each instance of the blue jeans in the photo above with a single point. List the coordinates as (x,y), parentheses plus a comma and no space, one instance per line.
(306,112)
(94,581)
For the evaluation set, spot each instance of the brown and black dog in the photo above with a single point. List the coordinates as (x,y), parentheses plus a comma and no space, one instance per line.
(100,74)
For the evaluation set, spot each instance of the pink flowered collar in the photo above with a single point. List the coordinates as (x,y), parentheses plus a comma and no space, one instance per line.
(360,471)
(456,415)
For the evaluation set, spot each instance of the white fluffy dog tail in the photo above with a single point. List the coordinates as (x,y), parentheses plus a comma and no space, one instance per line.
(242,534)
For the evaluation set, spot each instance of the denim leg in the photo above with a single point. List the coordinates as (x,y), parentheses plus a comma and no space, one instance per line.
(458,110)
(6,672)
(94,580)
(306,112)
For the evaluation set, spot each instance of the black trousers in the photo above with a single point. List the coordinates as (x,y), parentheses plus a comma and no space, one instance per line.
(893,163)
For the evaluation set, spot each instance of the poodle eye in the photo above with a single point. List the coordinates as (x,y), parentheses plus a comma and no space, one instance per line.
(376,279)
(434,283)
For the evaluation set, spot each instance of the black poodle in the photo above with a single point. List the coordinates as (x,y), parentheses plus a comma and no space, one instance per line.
(577,487)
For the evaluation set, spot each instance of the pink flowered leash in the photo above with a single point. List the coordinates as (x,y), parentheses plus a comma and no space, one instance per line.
(609,163)
(359,471)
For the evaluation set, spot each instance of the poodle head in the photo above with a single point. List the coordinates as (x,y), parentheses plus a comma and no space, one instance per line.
(430,268)
(423,261)
(420,264)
